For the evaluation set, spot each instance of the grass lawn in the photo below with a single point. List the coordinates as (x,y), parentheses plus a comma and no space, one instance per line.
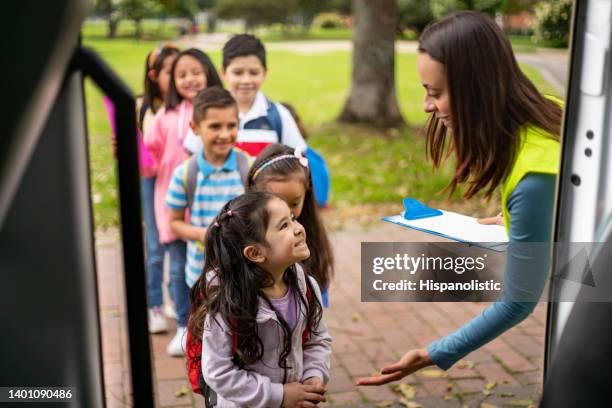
(367,166)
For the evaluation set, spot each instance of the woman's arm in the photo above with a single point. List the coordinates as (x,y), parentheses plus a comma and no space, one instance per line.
(527,264)
(530,207)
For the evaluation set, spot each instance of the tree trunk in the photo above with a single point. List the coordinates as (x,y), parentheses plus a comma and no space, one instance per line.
(211,22)
(112,27)
(138,24)
(112,18)
(372,99)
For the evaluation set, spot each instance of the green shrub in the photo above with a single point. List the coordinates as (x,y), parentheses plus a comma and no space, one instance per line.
(551,24)
(414,14)
(330,20)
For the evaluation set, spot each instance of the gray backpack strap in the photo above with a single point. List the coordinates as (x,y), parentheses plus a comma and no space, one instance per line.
(191,179)
(243,167)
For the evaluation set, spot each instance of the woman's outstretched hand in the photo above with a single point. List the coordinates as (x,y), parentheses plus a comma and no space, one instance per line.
(411,361)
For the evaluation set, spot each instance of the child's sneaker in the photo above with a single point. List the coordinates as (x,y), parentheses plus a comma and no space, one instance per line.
(157,321)
(169,311)
(178,344)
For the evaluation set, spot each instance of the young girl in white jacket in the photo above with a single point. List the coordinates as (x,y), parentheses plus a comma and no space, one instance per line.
(264,342)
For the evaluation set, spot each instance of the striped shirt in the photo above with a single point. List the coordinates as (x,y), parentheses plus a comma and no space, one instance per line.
(215,186)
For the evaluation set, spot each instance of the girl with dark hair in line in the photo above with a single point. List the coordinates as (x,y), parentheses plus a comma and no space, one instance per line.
(253,306)
(191,72)
(182,87)
(285,171)
(503,133)
(156,84)
(157,78)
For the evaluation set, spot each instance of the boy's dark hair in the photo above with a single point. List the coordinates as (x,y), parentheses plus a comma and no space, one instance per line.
(242,45)
(155,61)
(320,265)
(213,97)
(212,77)
(235,295)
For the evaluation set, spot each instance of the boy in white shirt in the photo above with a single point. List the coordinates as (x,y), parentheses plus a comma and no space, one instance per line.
(262,121)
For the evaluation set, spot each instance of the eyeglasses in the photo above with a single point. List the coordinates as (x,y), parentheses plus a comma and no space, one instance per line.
(155,53)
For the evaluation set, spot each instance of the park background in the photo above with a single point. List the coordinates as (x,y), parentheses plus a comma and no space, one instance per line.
(373,166)
(317,82)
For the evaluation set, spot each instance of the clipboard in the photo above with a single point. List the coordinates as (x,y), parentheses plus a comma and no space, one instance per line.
(450,225)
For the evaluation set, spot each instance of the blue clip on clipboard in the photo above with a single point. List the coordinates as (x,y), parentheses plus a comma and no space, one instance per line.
(450,225)
(414,210)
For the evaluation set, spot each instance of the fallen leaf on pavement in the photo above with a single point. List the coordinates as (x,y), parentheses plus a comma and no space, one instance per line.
(433,373)
(384,404)
(409,404)
(181,391)
(520,403)
(463,364)
(407,391)
(490,385)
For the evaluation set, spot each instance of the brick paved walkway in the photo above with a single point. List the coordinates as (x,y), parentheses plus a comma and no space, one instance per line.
(506,372)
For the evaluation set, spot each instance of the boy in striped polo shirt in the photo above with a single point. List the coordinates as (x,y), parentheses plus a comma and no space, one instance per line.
(217,179)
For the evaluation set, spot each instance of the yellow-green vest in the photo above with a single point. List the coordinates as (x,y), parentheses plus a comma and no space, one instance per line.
(538,153)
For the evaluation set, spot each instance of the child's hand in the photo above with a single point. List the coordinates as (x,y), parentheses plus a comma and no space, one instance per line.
(314,381)
(302,395)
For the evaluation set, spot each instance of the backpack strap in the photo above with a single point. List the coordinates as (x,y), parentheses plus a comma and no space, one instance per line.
(309,297)
(190,178)
(275,120)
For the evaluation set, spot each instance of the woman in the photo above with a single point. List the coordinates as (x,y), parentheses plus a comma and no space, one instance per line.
(504,133)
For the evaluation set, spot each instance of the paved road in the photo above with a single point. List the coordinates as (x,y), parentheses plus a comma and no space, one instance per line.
(366,336)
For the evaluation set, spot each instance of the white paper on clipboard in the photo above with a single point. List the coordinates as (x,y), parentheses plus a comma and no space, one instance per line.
(457,227)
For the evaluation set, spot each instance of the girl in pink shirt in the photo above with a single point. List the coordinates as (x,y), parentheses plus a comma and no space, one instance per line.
(191,72)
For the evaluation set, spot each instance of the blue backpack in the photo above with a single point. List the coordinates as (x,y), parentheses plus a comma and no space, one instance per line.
(318,168)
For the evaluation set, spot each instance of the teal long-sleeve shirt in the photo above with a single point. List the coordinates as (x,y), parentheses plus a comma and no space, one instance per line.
(531,212)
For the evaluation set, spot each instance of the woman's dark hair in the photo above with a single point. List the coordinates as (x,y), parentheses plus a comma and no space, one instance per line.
(212,77)
(152,96)
(320,265)
(490,98)
(235,291)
